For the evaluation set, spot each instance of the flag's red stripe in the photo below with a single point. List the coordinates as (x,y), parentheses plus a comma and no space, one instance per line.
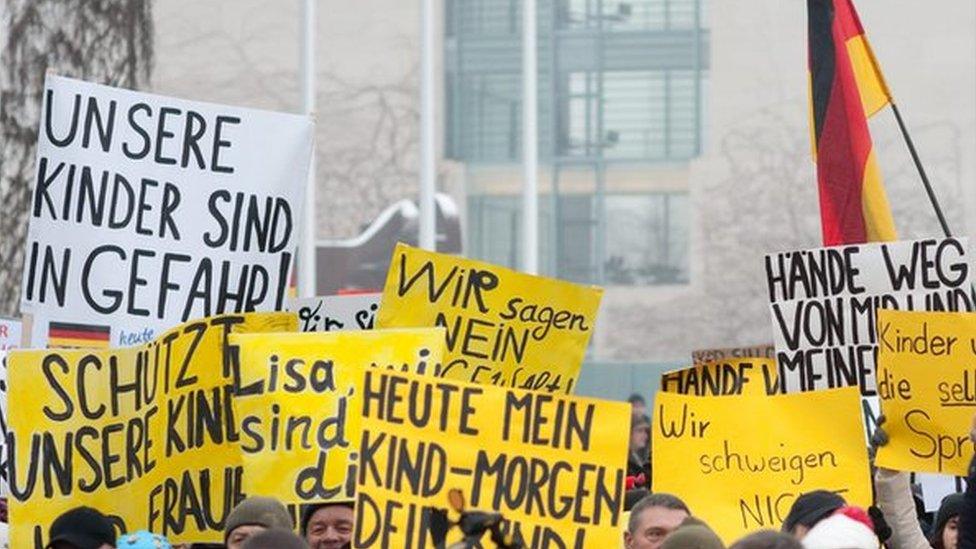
(72,334)
(844,146)
(846,18)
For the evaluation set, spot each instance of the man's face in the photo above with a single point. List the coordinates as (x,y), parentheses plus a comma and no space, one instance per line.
(330,527)
(653,525)
(240,534)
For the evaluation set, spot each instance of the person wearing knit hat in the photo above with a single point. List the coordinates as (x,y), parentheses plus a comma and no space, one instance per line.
(81,528)
(808,510)
(847,528)
(692,534)
(946,532)
(275,538)
(254,515)
(328,525)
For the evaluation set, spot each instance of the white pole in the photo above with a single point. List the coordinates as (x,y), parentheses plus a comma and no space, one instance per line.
(530,147)
(306,278)
(428,167)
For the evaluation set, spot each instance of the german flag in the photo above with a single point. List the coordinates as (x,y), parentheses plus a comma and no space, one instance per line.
(66,335)
(846,87)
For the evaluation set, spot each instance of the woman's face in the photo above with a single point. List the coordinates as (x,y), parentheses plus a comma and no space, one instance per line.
(950,534)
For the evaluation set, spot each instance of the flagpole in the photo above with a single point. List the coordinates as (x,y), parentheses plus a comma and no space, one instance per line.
(306,261)
(530,147)
(921,171)
(427,237)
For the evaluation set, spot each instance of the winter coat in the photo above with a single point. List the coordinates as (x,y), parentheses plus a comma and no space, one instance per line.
(894,497)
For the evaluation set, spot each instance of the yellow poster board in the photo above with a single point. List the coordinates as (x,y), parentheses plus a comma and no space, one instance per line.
(927,386)
(739,462)
(502,327)
(145,434)
(552,465)
(298,407)
(735,376)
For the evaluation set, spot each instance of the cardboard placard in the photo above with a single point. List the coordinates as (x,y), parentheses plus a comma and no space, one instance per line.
(149,211)
(750,376)
(503,327)
(702,356)
(145,434)
(10,338)
(548,463)
(823,304)
(739,462)
(299,410)
(927,387)
(335,313)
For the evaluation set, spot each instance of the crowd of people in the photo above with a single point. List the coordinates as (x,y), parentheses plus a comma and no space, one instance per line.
(257,523)
(818,519)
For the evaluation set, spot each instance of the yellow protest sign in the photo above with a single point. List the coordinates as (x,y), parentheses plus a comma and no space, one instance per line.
(739,462)
(145,434)
(742,376)
(298,407)
(927,387)
(502,327)
(553,466)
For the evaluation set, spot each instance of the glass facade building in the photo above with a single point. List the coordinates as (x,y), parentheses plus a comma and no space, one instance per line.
(621,87)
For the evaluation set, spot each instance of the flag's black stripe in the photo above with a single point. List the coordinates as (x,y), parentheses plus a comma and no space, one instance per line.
(77,327)
(822,58)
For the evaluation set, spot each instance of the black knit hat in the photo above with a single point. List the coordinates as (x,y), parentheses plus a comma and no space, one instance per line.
(82,527)
(810,508)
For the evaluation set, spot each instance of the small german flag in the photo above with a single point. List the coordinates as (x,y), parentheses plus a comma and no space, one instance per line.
(67,335)
(846,87)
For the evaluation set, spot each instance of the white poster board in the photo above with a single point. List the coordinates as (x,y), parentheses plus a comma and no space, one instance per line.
(10,334)
(336,312)
(823,304)
(149,210)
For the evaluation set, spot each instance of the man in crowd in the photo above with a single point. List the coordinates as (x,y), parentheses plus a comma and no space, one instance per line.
(652,519)
(328,525)
(253,516)
(81,528)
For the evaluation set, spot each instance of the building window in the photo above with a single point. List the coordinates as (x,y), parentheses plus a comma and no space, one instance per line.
(647,239)
(644,241)
(620,93)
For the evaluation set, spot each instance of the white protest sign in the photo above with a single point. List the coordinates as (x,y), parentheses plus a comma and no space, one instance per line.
(149,210)
(336,313)
(10,333)
(823,304)
(935,487)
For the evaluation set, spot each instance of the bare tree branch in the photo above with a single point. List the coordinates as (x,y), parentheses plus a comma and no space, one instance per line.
(106,41)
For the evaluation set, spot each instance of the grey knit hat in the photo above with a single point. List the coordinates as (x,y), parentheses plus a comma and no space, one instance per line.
(275,538)
(258,511)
